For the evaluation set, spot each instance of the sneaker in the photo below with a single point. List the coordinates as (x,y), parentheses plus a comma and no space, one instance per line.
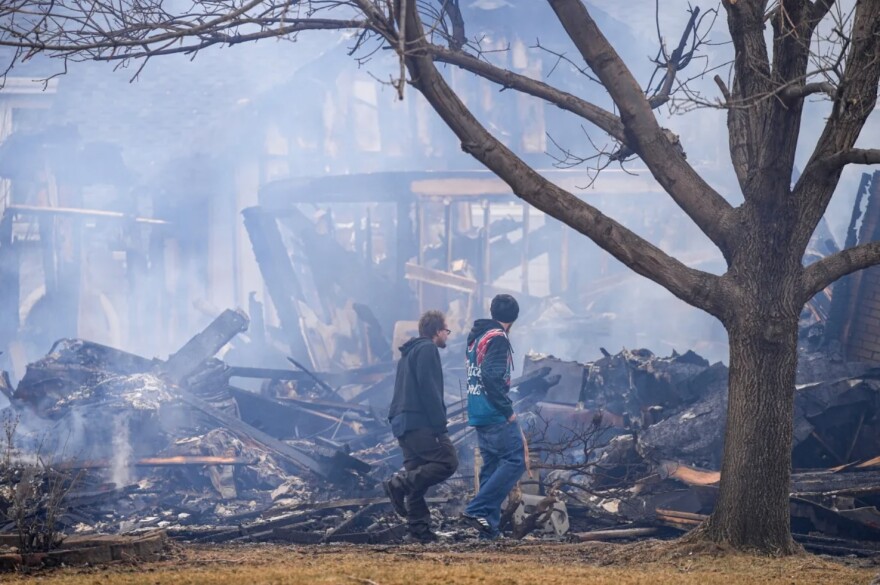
(478,522)
(397,494)
(420,537)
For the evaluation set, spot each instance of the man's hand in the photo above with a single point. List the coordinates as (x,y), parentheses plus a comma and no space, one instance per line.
(512,418)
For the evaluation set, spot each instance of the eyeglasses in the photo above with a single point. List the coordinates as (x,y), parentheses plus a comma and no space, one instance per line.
(447,331)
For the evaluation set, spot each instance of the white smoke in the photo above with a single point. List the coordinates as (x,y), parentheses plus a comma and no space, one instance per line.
(122,451)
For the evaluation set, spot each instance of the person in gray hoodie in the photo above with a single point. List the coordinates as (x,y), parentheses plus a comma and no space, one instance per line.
(418,420)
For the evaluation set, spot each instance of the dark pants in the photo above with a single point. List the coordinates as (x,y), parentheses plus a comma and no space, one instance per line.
(428,459)
(503,453)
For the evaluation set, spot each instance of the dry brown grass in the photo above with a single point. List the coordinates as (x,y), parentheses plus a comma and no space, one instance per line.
(472,564)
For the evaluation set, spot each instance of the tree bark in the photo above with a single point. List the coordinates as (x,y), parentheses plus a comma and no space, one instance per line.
(752,511)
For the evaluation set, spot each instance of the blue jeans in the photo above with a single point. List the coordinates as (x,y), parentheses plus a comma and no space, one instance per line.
(501,447)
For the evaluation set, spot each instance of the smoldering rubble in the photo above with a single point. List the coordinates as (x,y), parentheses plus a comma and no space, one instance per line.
(626,446)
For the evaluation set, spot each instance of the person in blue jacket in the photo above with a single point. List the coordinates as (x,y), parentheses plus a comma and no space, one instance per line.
(490,412)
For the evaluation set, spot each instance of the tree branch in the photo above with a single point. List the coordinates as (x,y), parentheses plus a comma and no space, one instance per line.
(822,273)
(237,39)
(603,119)
(118,45)
(818,11)
(793,93)
(855,101)
(698,288)
(858,156)
(699,201)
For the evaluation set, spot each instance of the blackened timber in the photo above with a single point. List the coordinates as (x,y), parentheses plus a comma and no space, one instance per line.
(376,390)
(266,373)
(616,533)
(278,417)
(836,546)
(365,375)
(328,405)
(76,211)
(278,272)
(328,390)
(343,526)
(839,551)
(172,461)
(533,376)
(204,345)
(830,482)
(440,278)
(831,522)
(343,504)
(244,532)
(241,428)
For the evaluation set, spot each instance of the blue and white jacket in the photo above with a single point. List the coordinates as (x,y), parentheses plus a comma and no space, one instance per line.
(489,366)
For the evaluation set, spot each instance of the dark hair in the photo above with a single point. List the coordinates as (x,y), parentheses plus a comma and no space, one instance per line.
(504,309)
(431,323)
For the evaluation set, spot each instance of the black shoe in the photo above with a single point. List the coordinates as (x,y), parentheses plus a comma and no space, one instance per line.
(396,493)
(478,522)
(420,537)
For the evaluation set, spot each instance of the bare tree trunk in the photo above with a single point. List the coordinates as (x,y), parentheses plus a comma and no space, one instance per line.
(752,511)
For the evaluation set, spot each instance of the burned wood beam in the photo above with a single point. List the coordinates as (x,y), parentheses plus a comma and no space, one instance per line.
(330,466)
(832,522)
(278,273)
(827,447)
(377,389)
(82,498)
(689,475)
(288,526)
(615,533)
(174,461)
(346,504)
(836,546)
(855,479)
(380,537)
(292,536)
(365,375)
(278,417)
(679,520)
(325,404)
(328,390)
(266,373)
(254,531)
(869,464)
(351,520)
(77,211)
(204,345)
(532,376)
(855,437)
(681,515)
(240,428)
(440,278)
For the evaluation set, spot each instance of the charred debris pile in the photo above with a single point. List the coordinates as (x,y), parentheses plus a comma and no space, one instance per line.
(623,447)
